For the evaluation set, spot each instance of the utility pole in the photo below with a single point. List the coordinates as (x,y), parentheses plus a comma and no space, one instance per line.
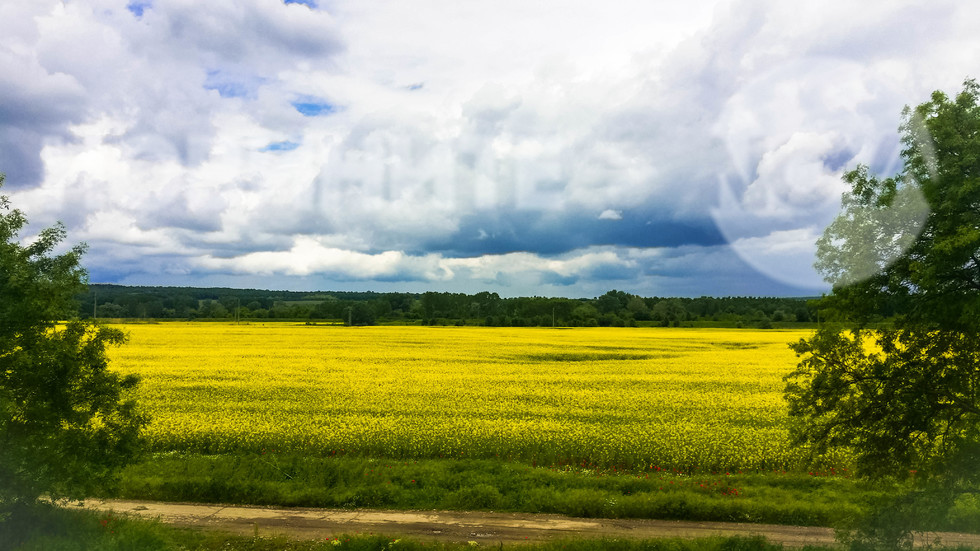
(237,308)
(552,317)
(95,304)
(349,310)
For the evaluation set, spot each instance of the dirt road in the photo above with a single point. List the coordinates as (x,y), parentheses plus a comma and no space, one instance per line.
(303,523)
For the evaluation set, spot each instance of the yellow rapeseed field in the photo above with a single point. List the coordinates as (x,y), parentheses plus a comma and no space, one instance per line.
(671,398)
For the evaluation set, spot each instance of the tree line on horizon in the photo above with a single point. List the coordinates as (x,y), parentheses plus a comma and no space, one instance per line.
(612,309)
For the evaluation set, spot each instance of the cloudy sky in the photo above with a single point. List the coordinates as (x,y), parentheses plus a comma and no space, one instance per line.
(528,148)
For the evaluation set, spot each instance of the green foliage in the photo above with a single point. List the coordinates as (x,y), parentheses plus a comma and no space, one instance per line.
(906,406)
(65,424)
(931,277)
(615,308)
(903,397)
(45,527)
(52,529)
(360,314)
(347,481)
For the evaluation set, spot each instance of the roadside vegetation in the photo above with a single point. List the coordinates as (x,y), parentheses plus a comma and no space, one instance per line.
(59,529)
(804,499)
(50,528)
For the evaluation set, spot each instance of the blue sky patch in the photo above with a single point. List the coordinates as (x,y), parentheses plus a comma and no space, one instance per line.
(313,107)
(280,146)
(136,7)
(308,3)
(231,86)
(228,89)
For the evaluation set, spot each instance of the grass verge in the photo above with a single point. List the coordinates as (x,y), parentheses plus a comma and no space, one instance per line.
(50,528)
(47,527)
(808,499)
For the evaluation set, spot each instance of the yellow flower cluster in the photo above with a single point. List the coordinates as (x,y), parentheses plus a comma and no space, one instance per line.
(668,398)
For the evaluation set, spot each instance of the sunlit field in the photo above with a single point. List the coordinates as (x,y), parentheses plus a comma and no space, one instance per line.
(686,399)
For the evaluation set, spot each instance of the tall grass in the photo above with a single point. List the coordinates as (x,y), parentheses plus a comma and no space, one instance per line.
(51,528)
(481,484)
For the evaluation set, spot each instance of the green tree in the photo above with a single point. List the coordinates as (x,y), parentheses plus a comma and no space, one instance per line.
(611,302)
(65,420)
(585,314)
(668,310)
(360,313)
(904,398)
(212,309)
(638,307)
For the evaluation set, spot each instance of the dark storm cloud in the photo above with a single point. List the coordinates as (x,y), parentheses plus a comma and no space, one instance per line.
(35,106)
(20,160)
(550,233)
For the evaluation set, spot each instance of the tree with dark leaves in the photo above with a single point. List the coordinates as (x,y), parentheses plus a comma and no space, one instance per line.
(66,421)
(903,397)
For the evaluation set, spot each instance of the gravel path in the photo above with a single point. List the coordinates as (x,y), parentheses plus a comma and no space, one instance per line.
(482,527)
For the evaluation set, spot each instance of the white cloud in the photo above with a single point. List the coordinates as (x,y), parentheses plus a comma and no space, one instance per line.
(308,256)
(445,118)
(786,256)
